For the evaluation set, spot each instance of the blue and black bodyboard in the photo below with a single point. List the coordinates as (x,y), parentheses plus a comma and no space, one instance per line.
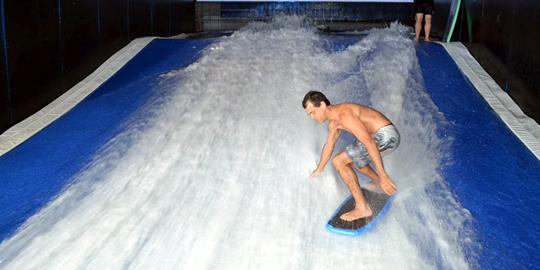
(380,204)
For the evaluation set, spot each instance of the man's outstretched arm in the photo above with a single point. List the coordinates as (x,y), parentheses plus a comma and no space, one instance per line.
(328,148)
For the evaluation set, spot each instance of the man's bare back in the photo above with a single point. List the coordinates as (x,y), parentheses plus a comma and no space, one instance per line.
(371,119)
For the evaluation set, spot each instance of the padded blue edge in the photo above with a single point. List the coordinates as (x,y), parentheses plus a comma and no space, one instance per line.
(364,229)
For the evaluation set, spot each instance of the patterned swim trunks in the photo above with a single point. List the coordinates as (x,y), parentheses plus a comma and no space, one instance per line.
(387,139)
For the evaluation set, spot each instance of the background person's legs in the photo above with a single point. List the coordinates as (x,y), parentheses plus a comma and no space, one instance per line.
(427,27)
(418,25)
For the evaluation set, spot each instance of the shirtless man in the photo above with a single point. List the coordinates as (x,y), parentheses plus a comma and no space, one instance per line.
(375,136)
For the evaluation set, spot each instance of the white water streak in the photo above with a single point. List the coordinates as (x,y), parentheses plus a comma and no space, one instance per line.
(219,177)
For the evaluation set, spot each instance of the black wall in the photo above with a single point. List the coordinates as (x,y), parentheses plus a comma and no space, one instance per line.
(48,46)
(439,18)
(228,16)
(503,35)
(5,107)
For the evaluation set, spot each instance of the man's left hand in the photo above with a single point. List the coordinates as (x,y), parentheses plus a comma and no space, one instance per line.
(315,173)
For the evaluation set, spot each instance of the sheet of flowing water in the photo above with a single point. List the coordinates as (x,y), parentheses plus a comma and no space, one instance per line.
(217,176)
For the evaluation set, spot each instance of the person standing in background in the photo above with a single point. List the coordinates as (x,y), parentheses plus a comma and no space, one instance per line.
(423,8)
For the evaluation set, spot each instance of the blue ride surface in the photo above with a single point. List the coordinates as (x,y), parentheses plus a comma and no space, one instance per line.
(490,171)
(38,169)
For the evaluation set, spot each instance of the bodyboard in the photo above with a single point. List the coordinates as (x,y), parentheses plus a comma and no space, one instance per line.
(379,203)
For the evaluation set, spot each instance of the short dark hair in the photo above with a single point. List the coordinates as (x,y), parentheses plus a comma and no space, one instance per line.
(315,97)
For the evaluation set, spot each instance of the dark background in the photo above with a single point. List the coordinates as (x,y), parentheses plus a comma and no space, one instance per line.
(333,16)
(503,35)
(49,46)
(52,45)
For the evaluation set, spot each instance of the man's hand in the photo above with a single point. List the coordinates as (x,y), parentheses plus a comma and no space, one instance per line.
(387,185)
(316,172)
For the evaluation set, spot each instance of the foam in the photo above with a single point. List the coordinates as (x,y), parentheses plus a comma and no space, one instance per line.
(217,176)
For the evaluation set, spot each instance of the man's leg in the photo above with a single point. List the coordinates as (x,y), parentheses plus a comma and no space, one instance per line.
(371,174)
(342,163)
(427,27)
(418,25)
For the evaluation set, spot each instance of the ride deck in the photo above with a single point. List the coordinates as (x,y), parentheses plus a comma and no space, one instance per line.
(380,203)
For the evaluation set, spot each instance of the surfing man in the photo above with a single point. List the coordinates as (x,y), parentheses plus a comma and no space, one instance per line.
(375,135)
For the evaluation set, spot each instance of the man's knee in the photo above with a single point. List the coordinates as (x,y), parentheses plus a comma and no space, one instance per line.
(364,169)
(428,19)
(339,161)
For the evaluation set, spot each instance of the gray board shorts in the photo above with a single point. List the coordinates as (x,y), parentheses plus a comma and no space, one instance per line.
(387,139)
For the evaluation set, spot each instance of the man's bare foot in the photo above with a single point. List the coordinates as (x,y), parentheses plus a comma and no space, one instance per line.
(356,213)
(427,39)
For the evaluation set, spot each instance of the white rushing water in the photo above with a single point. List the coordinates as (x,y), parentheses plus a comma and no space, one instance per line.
(218,176)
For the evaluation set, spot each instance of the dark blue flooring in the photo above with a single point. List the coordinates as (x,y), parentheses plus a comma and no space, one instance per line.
(491,172)
(38,169)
